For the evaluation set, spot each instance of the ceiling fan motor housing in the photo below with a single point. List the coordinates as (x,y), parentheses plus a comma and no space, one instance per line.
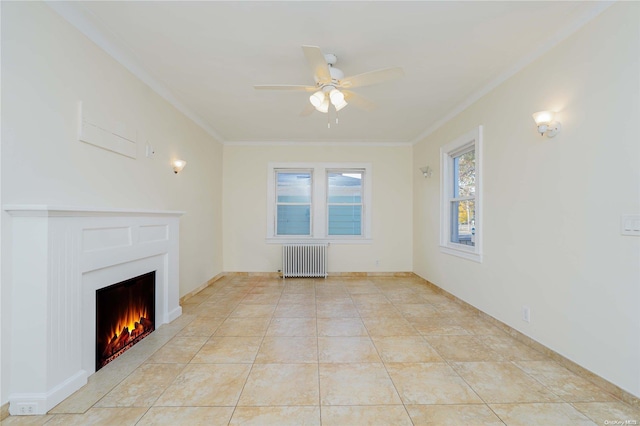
(336,74)
(331,58)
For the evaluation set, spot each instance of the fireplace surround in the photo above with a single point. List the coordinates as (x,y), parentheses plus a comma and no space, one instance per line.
(59,258)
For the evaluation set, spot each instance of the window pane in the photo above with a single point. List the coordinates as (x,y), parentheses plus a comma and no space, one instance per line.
(464,178)
(463,216)
(294,187)
(294,220)
(344,195)
(345,220)
(345,187)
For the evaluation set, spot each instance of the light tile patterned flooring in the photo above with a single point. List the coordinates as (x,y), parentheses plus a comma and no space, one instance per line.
(341,351)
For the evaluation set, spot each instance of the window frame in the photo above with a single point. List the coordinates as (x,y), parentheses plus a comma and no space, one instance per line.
(361,203)
(319,206)
(469,141)
(277,203)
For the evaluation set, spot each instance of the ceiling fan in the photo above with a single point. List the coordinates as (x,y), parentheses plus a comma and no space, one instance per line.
(331,86)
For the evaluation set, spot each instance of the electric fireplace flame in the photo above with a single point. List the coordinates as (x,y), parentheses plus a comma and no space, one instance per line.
(131,321)
(125,314)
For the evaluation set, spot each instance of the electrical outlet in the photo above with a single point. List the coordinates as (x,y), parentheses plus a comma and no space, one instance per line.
(27,408)
(377,263)
(526,314)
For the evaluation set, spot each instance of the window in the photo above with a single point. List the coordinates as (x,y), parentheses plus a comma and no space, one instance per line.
(344,202)
(293,203)
(319,202)
(460,232)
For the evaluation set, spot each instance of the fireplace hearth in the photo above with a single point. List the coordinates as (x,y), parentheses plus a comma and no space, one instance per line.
(125,314)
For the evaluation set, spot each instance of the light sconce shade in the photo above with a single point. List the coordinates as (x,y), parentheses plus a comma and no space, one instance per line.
(546,124)
(178,165)
(340,105)
(324,106)
(426,171)
(336,97)
(317,98)
(328,95)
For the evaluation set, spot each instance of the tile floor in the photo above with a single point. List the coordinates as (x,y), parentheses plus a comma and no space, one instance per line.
(375,351)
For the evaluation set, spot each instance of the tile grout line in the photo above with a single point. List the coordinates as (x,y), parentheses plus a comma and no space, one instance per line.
(384,364)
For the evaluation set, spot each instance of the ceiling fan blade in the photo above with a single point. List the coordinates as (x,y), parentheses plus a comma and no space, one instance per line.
(317,63)
(307,110)
(298,88)
(372,77)
(358,101)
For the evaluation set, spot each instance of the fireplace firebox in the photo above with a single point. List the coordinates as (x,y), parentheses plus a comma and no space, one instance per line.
(125,314)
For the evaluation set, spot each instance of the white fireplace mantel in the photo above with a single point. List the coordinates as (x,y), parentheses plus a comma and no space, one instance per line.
(59,257)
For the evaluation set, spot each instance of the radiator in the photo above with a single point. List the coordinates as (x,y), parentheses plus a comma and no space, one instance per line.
(304,260)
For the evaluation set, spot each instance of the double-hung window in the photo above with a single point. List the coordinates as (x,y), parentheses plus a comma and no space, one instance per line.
(319,202)
(344,202)
(461,230)
(293,202)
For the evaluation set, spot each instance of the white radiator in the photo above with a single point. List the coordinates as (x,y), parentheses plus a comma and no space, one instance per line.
(304,260)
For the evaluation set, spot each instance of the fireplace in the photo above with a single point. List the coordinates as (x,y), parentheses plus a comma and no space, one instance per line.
(125,314)
(60,257)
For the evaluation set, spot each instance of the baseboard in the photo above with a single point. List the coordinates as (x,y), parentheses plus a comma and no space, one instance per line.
(613,389)
(331,274)
(371,274)
(40,403)
(519,336)
(174,314)
(253,274)
(4,411)
(199,289)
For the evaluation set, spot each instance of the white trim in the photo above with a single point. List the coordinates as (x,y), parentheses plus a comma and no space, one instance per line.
(41,210)
(96,31)
(521,64)
(476,257)
(316,143)
(60,256)
(299,240)
(43,401)
(318,223)
(454,148)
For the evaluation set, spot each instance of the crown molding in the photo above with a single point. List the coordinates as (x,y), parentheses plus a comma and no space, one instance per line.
(316,143)
(97,32)
(556,39)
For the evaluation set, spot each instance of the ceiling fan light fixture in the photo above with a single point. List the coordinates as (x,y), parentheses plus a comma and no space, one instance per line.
(324,106)
(317,98)
(337,97)
(340,105)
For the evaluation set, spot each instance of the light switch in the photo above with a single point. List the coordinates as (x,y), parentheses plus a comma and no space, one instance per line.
(630,224)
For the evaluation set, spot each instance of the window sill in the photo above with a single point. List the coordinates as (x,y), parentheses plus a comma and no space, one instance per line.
(465,254)
(302,240)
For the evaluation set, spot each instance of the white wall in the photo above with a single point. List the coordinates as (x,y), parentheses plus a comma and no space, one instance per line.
(552,207)
(245,207)
(47,67)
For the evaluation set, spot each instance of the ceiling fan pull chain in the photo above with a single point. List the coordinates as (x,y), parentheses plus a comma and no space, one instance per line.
(328,119)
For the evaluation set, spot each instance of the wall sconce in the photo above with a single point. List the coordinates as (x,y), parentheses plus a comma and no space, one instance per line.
(178,165)
(426,171)
(546,124)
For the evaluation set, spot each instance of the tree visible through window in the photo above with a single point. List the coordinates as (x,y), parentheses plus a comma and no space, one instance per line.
(461,196)
(463,207)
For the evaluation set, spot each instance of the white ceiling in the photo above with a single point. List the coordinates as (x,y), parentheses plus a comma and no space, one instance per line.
(205,58)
